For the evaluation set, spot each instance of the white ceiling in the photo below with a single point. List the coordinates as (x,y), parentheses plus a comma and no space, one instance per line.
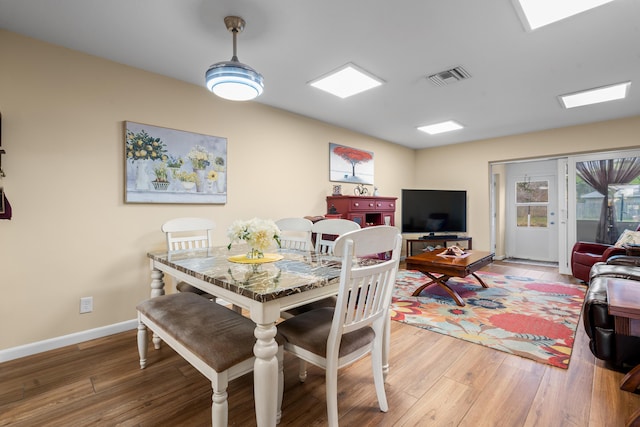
(515,75)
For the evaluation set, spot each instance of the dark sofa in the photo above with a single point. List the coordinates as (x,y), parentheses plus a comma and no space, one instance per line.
(620,351)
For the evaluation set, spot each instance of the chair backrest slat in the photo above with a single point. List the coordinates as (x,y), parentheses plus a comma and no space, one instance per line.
(327,232)
(295,233)
(188,233)
(365,290)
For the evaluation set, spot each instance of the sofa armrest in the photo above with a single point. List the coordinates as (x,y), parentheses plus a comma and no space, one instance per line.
(631,261)
(596,308)
(611,251)
(591,247)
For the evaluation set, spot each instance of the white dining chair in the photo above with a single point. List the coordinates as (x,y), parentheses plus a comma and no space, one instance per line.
(189,233)
(332,338)
(295,233)
(326,232)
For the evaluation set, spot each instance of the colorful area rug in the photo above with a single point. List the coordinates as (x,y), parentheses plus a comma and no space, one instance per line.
(517,315)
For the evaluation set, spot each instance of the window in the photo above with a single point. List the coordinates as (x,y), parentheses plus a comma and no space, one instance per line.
(532,200)
(607,198)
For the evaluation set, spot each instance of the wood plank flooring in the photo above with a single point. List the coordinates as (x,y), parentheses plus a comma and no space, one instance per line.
(434,380)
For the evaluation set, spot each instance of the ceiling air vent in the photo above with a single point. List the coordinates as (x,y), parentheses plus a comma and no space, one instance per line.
(447,77)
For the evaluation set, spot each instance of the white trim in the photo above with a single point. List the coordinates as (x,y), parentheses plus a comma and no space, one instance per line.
(65,340)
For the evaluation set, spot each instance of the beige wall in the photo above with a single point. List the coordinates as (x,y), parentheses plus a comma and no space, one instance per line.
(72,235)
(467,166)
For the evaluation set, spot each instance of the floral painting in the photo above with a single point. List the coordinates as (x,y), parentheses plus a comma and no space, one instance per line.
(348,164)
(172,166)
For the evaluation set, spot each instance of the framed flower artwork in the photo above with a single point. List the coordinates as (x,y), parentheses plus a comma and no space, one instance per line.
(165,165)
(347,164)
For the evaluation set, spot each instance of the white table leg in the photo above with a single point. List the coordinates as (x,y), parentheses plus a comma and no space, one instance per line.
(157,282)
(157,289)
(265,375)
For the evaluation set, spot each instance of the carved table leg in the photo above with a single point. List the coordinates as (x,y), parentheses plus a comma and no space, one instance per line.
(157,283)
(265,375)
(157,289)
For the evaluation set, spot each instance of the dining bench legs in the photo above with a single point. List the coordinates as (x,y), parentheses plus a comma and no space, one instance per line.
(215,340)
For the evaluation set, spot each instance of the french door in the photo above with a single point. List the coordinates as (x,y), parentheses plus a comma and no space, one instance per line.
(532,211)
(606,195)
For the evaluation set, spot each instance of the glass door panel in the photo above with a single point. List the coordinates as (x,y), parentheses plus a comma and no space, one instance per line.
(532,200)
(607,198)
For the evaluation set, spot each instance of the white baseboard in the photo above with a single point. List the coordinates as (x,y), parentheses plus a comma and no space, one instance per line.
(65,340)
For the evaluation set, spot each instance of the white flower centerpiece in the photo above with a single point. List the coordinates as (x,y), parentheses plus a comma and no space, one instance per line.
(258,233)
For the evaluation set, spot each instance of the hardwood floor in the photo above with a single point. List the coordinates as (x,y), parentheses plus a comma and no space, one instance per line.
(434,380)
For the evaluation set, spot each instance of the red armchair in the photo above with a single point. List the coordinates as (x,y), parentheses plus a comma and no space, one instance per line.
(585,254)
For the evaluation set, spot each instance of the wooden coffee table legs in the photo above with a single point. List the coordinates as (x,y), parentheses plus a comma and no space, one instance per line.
(442,282)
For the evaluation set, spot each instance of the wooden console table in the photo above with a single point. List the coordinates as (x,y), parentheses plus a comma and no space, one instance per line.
(624,304)
(436,240)
(365,210)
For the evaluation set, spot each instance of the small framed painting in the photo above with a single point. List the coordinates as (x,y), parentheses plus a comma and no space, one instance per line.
(173,166)
(347,164)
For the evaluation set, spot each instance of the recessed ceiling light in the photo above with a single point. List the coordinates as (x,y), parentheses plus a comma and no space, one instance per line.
(346,81)
(538,13)
(436,128)
(595,96)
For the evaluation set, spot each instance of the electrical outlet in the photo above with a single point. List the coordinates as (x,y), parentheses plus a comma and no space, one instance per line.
(86,305)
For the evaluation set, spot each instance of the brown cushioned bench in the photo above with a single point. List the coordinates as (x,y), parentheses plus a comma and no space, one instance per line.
(215,340)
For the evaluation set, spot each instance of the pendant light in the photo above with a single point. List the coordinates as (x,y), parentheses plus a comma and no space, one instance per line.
(232,79)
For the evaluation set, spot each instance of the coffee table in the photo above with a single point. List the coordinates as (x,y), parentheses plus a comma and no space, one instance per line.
(448,266)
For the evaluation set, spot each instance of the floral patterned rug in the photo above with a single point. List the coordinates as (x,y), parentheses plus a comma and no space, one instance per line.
(517,315)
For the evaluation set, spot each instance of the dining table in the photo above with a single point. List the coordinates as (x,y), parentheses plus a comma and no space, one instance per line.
(284,279)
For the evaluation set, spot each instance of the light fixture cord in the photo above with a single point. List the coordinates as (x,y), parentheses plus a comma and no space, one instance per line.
(235,33)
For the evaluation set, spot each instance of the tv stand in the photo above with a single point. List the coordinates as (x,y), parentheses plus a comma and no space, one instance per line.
(443,240)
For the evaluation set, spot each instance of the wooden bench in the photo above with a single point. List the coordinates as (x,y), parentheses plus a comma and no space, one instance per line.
(215,340)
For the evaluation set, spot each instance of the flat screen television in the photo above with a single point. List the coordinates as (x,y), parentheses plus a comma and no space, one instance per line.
(434,212)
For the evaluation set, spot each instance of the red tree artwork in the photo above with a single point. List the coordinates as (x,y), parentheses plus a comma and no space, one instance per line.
(352,156)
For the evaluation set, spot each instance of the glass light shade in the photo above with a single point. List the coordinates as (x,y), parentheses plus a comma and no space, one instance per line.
(234,81)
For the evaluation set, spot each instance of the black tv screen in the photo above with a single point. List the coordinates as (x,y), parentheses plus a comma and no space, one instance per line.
(434,211)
